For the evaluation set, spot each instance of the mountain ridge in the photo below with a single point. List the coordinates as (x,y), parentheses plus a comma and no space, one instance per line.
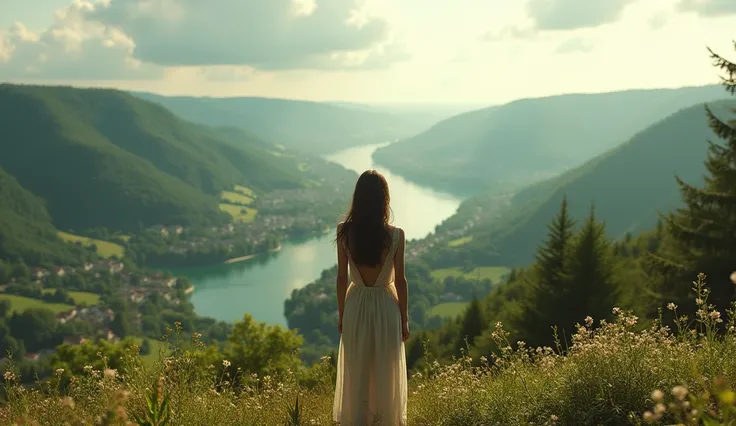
(307,126)
(628,186)
(507,146)
(102,157)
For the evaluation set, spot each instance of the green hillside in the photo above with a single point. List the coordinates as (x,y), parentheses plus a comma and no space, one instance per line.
(26,233)
(528,140)
(311,127)
(628,186)
(106,158)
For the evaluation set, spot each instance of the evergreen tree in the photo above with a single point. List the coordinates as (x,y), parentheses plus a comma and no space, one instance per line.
(473,324)
(592,288)
(703,233)
(545,288)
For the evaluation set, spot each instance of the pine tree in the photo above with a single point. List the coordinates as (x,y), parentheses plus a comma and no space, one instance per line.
(703,233)
(472,325)
(546,285)
(592,288)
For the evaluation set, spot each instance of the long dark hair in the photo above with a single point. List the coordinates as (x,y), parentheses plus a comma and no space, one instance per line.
(365,229)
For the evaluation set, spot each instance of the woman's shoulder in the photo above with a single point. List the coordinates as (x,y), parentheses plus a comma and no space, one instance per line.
(396,229)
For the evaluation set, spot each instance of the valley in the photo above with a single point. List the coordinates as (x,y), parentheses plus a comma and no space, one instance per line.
(173,174)
(245,233)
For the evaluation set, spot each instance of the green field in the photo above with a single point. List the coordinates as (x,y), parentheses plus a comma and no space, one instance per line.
(460,241)
(20,304)
(449,309)
(245,191)
(236,212)
(150,358)
(494,273)
(80,297)
(231,197)
(104,248)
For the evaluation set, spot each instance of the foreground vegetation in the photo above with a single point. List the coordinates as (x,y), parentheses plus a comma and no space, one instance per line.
(612,373)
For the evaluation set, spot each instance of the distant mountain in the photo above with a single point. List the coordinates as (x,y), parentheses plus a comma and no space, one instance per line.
(528,140)
(628,186)
(310,127)
(26,233)
(106,158)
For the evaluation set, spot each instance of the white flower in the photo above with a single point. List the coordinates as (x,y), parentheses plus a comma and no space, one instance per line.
(679,392)
(226,363)
(671,306)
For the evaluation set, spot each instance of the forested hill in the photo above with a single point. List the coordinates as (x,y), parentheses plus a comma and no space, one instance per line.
(26,233)
(105,158)
(628,186)
(310,127)
(531,139)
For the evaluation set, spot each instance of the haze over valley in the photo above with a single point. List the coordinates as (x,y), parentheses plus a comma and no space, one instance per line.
(172,174)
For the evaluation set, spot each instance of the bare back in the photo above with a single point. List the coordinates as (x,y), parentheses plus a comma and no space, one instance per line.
(370,275)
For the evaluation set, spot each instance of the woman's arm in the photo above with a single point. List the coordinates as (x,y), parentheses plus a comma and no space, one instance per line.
(402,289)
(342,280)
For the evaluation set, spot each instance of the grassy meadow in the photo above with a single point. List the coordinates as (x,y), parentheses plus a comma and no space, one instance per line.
(460,241)
(449,309)
(104,248)
(21,303)
(493,273)
(239,213)
(616,372)
(231,197)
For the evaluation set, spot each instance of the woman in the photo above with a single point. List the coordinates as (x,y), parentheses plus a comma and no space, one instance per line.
(371,366)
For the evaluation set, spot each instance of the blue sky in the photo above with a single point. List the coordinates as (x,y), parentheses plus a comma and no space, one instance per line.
(365,50)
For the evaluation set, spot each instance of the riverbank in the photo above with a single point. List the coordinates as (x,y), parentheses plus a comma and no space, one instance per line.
(260,285)
(251,256)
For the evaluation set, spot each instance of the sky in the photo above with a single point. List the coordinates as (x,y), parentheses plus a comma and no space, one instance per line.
(373,51)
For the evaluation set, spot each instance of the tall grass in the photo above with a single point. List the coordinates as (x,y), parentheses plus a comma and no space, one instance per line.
(614,373)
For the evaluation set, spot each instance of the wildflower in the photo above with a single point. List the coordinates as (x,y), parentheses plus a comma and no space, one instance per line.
(553,417)
(657,396)
(679,392)
(67,401)
(733,278)
(9,376)
(110,373)
(659,409)
(671,306)
(715,315)
(699,301)
(588,321)
(226,363)
(616,310)
(59,371)
(649,417)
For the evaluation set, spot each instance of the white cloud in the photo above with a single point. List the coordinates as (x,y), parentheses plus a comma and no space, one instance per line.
(71,48)
(575,45)
(708,8)
(573,14)
(264,34)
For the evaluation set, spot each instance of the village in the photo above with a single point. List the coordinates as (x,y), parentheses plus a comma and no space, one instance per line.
(135,288)
(281,214)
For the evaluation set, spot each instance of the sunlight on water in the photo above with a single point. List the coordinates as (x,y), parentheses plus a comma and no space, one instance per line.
(415,208)
(260,286)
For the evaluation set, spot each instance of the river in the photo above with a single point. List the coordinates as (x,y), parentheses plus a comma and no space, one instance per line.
(260,286)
